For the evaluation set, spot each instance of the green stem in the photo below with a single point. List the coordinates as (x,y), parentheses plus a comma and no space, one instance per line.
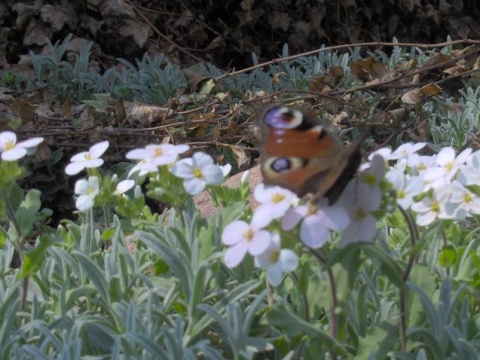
(19,244)
(406,274)
(333,291)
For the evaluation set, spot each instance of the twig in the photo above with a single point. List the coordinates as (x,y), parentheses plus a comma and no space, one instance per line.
(338,47)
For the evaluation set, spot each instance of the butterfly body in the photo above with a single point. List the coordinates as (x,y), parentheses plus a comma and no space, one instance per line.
(304,157)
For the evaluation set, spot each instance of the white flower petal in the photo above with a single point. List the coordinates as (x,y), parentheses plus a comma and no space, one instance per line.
(274,274)
(14,154)
(74,168)
(183,169)
(124,186)
(194,186)
(30,143)
(288,260)
(212,174)
(84,202)
(97,150)
(235,254)
(201,160)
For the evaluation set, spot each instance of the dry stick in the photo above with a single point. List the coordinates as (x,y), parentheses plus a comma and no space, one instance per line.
(338,47)
(412,73)
(159,33)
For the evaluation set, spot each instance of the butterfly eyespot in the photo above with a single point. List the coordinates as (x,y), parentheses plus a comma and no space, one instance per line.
(283,118)
(282,164)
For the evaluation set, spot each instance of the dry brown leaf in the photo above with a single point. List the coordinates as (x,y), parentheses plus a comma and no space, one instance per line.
(411,97)
(58,16)
(24,13)
(369,69)
(116,8)
(217,43)
(144,114)
(431,89)
(436,59)
(232,130)
(195,81)
(279,20)
(66,109)
(43,152)
(139,31)
(406,66)
(36,34)
(240,157)
(23,110)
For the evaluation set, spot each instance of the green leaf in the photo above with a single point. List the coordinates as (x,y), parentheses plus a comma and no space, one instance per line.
(380,340)
(34,258)
(424,279)
(447,256)
(291,324)
(27,211)
(94,274)
(389,267)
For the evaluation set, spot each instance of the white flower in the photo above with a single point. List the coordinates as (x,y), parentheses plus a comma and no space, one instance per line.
(431,207)
(406,187)
(317,222)
(153,156)
(383,152)
(276,261)
(447,166)
(87,189)
(274,203)
(368,184)
(405,150)
(197,172)
(362,226)
(243,238)
(464,202)
(87,159)
(11,150)
(159,155)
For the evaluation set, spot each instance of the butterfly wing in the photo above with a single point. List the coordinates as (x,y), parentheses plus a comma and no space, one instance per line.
(304,157)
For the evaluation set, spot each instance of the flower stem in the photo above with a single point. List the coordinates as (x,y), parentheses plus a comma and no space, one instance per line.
(411,261)
(20,246)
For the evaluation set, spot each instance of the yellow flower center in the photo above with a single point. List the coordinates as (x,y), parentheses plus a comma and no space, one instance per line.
(312,209)
(274,256)
(9,145)
(369,179)
(435,206)
(248,235)
(197,173)
(449,166)
(88,156)
(467,198)
(158,152)
(400,194)
(90,190)
(360,214)
(278,198)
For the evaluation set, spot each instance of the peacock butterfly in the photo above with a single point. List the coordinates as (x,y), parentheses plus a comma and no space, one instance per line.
(302,156)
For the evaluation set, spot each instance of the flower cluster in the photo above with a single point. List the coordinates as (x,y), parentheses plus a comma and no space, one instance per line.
(442,186)
(352,215)
(197,172)
(445,185)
